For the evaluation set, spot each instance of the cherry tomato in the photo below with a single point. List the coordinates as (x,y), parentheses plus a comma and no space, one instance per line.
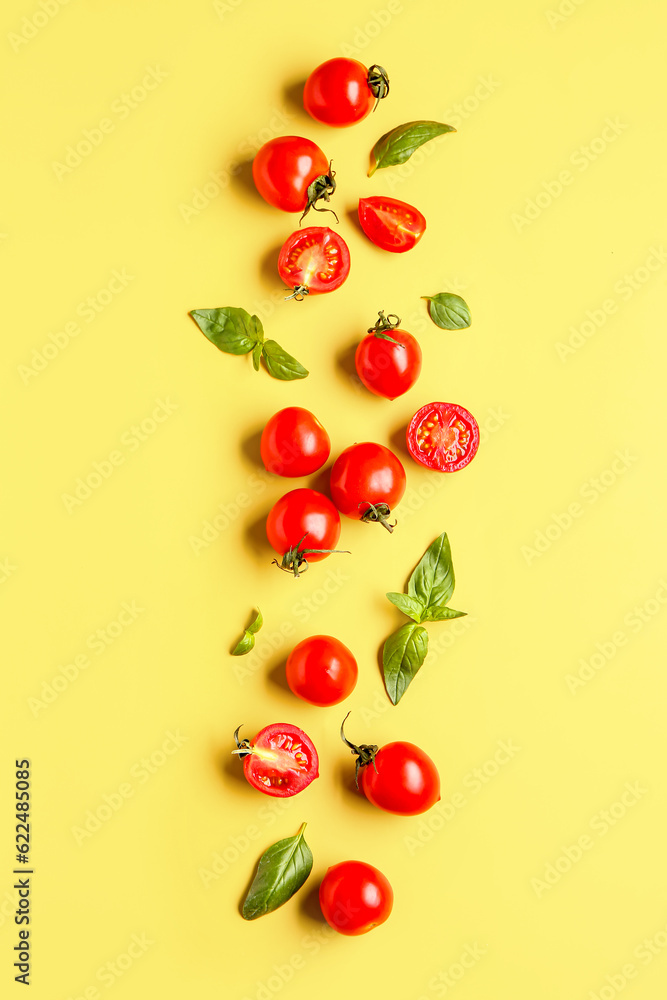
(313,260)
(355,897)
(303,527)
(391,224)
(443,436)
(321,670)
(294,443)
(284,170)
(281,760)
(388,360)
(367,481)
(342,91)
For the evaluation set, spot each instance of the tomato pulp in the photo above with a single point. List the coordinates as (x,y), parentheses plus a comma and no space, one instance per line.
(281,760)
(391,224)
(313,260)
(443,436)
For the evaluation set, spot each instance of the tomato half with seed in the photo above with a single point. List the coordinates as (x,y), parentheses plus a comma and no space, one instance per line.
(313,260)
(367,481)
(388,360)
(284,170)
(355,897)
(302,527)
(443,436)
(281,760)
(294,443)
(321,670)
(391,224)
(342,91)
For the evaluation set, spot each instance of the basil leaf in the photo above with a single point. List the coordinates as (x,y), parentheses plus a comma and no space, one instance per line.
(256,355)
(402,655)
(244,645)
(256,625)
(280,364)
(442,614)
(410,606)
(398,145)
(232,330)
(282,870)
(432,582)
(448,311)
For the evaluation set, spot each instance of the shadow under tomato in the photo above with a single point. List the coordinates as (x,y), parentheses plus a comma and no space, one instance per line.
(320,480)
(398,442)
(255,533)
(310,899)
(228,764)
(293,94)
(243,178)
(250,448)
(276,676)
(353,218)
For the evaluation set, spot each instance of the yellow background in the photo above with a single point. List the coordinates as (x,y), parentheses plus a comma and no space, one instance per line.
(530,90)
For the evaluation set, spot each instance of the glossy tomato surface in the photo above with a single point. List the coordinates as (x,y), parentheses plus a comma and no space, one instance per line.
(284,168)
(391,224)
(366,475)
(313,260)
(294,443)
(355,897)
(404,780)
(443,436)
(337,93)
(303,520)
(321,670)
(386,368)
(281,760)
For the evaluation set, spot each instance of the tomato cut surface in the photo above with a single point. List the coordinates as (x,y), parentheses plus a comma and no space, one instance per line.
(391,224)
(443,436)
(314,260)
(281,760)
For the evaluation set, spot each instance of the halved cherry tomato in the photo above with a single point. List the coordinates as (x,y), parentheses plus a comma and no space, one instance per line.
(294,443)
(391,224)
(292,173)
(342,91)
(281,760)
(321,670)
(355,897)
(388,360)
(303,527)
(367,481)
(443,436)
(314,260)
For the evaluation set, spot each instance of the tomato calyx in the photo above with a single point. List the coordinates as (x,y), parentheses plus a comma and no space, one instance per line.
(384,323)
(243,747)
(378,512)
(378,82)
(294,560)
(365,752)
(299,293)
(322,187)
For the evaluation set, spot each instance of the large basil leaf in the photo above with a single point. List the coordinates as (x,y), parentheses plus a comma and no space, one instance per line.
(439,614)
(410,606)
(448,311)
(398,145)
(280,364)
(232,330)
(282,870)
(432,582)
(402,656)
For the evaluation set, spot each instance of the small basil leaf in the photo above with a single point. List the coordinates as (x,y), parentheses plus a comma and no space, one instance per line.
(244,645)
(256,625)
(232,330)
(402,656)
(448,311)
(256,355)
(282,870)
(432,581)
(399,144)
(280,364)
(442,614)
(410,606)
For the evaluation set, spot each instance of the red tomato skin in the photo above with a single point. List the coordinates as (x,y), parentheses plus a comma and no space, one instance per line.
(355,897)
(284,168)
(364,474)
(337,93)
(407,781)
(458,422)
(385,368)
(321,670)
(303,512)
(278,783)
(337,264)
(391,224)
(294,443)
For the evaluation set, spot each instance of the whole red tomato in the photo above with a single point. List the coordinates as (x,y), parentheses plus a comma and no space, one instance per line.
(313,260)
(355,897)
(342,91)
(443,436)
(294,443)
(281,760)
(367,481)
(302,527)
(292,173)
(321,670)
(398,777)
(388,360)
(391,224)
